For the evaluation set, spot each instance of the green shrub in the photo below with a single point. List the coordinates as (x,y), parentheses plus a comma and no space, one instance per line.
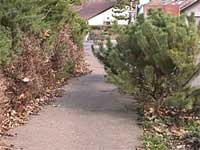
(36,17)
(155,142)
(5,45)
(155,59)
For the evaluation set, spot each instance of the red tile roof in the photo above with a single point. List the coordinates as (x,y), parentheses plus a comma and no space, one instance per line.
(94,8)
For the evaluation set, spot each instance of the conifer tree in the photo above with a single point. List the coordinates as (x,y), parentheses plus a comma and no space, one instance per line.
(155,59)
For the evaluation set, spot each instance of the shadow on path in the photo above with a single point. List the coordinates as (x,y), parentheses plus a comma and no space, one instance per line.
(91,115)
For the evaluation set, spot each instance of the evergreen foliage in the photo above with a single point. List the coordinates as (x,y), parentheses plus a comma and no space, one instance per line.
(156,59)
(36,17)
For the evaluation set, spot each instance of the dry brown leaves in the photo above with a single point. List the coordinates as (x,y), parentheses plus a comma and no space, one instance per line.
(4,146)
(72,53)
(172,129)
(27,83)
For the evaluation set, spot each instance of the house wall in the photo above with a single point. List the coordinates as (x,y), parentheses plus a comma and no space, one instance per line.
(168,8)
(148,7)
(106,16)
(194,9)
(172,9)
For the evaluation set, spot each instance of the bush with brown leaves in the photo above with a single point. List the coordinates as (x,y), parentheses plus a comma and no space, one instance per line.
(34,73)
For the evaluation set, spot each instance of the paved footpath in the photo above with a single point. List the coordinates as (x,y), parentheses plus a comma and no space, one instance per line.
(91,115)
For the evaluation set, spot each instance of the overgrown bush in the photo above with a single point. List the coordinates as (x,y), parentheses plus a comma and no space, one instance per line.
(41,18)
(40,47)
(156,59)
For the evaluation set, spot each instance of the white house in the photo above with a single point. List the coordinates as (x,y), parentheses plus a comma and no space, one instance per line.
(101,13)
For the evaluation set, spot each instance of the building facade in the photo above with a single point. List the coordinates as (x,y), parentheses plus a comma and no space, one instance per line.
(103,13)
(107,18)
(175,7)
(194,8)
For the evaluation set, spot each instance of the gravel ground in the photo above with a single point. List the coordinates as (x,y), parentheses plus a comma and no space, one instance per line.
(91,115)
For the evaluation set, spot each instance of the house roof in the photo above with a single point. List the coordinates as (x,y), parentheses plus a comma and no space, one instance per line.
(188,3)
(92,9)
(184,4)
(174,7)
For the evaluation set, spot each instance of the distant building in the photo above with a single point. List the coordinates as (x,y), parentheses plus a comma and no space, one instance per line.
(101,13)
(191,6)
(175,7)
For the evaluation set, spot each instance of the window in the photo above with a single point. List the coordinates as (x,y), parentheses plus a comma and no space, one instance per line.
(197,12)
